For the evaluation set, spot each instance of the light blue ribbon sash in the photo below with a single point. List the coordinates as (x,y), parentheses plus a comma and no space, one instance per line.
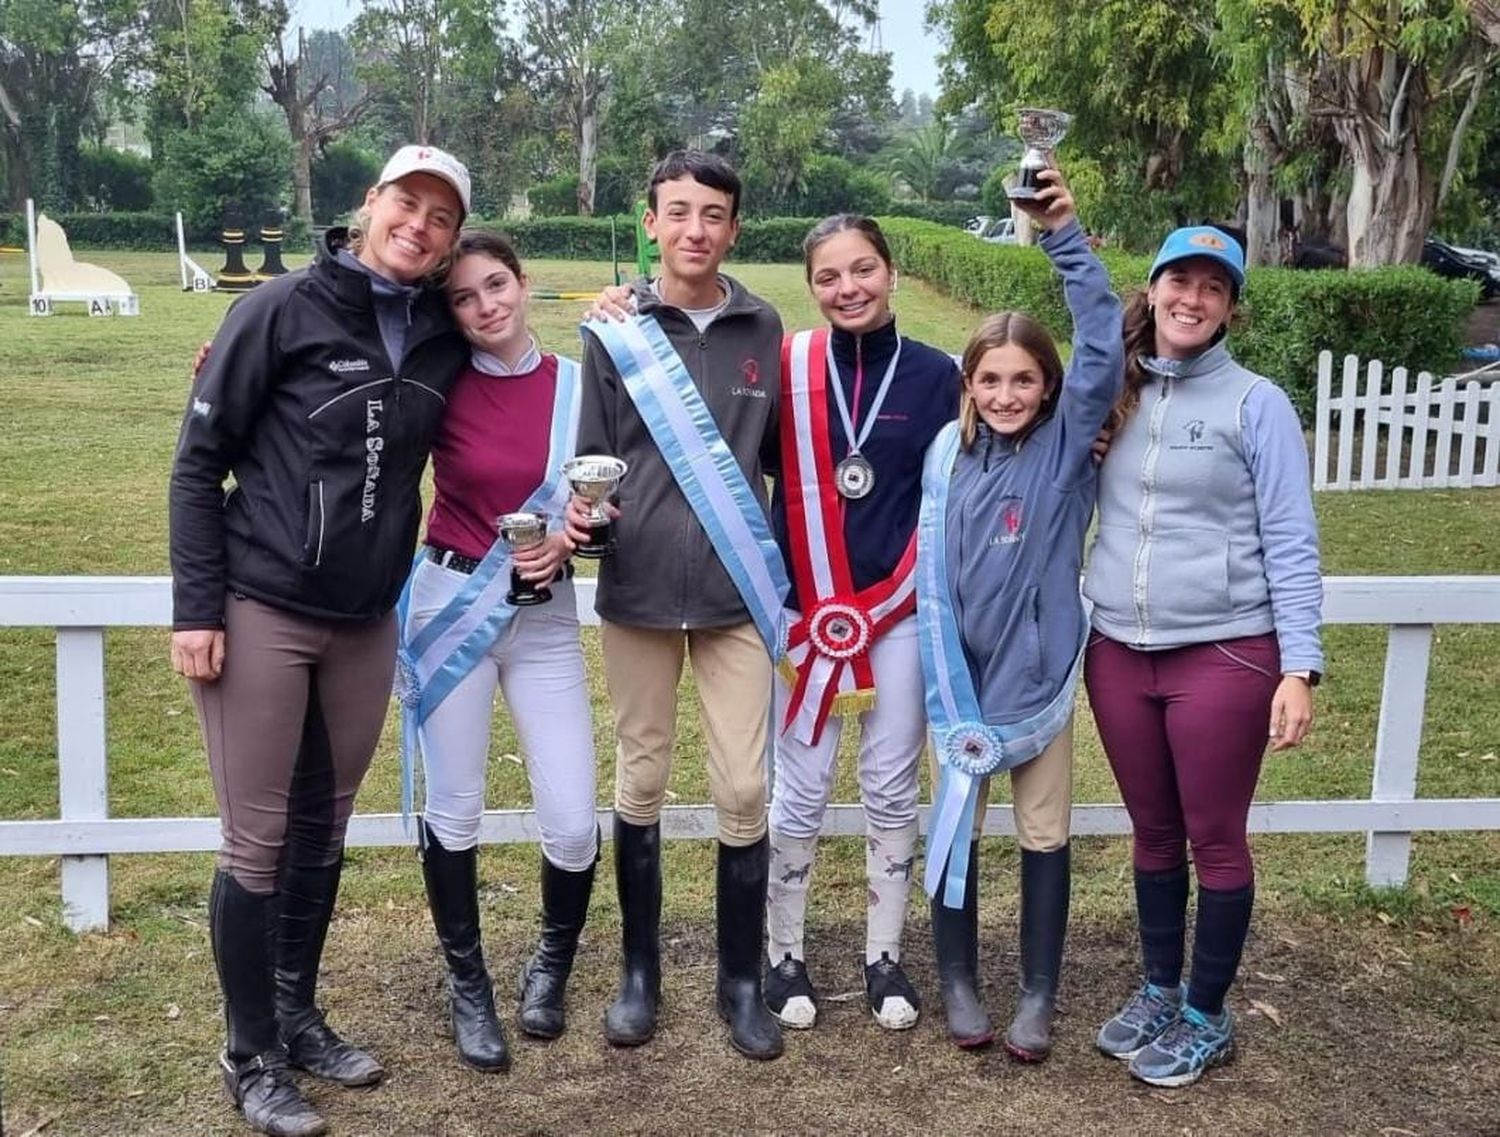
(706,471)
(430,664)
(968,749)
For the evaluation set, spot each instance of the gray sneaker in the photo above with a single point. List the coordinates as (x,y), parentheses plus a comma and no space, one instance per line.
(1140,1021)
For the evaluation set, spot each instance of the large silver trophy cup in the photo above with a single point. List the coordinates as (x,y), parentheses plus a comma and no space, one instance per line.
(523,531)
(1041,130)
(593,478)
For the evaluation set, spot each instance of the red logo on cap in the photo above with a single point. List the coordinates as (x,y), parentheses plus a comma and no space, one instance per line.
(750,369)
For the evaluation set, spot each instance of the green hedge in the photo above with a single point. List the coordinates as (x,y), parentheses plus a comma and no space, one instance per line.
(777,239)
(1402,315)
(141,232)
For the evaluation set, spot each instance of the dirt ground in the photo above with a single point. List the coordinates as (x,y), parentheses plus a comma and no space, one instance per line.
(1338,1035)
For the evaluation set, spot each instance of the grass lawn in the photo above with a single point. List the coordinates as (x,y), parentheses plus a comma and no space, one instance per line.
(115,1033)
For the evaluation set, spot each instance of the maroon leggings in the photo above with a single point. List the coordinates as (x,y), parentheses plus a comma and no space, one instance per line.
(1185,731)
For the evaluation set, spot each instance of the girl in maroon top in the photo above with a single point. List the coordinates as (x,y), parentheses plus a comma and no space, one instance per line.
(491,457)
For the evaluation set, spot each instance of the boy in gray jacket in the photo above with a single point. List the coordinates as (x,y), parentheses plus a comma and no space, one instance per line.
(666,592)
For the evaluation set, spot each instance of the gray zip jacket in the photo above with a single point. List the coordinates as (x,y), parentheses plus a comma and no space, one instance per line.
(665,573)
(1017,514)
(1206,525)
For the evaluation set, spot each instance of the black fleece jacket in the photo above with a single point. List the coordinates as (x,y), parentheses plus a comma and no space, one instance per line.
(325,438)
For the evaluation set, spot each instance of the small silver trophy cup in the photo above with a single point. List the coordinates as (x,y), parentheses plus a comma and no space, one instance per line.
(1041,130)
(593,478)
(524,531)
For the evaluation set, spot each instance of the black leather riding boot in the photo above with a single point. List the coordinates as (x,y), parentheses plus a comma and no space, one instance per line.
(453,895)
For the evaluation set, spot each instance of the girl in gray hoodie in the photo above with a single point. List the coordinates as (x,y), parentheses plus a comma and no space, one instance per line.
(1008,491)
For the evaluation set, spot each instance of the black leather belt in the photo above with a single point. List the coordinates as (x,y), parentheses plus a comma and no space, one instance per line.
(451,560)
(460,563)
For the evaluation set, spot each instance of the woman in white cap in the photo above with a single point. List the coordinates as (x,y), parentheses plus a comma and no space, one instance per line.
(321,397)
(1207,605)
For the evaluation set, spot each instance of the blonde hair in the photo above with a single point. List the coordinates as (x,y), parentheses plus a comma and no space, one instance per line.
(359,225)
(995,331)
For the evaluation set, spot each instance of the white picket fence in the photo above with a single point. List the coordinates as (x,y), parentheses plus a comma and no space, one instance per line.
(85,836)
(1431,434)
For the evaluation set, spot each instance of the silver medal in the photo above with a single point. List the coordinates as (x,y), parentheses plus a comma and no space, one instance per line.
(854,477)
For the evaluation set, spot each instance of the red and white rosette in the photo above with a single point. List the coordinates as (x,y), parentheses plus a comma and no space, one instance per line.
(840,630)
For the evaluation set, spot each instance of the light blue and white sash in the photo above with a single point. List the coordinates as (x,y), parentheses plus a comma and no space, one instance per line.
(968,749)
(432,663)
(706,471)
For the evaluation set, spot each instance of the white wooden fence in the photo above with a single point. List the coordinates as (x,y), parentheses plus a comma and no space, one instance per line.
(1425,435)
(85,835)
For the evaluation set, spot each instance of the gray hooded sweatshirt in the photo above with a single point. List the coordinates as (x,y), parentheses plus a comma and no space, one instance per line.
(1017,513)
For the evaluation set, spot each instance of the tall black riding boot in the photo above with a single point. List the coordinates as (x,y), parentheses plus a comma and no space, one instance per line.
(1045,885)
(631,1019)
(741,909)
(453,895)
(253,1064)
(307,897)
(955,942)
(544,978)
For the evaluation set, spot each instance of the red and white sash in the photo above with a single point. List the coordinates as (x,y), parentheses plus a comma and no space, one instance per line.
(827,662)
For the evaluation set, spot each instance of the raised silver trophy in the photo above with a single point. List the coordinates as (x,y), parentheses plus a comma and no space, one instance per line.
(523,531)
(593,478)
(1041,130)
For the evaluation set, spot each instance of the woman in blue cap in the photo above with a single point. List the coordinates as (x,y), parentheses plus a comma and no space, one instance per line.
(1207,599)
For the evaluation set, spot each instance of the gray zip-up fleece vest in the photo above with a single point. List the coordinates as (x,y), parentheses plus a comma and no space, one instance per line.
(1206,528)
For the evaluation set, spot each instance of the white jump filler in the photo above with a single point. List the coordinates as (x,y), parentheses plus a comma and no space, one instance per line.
(194,277)
(57,278)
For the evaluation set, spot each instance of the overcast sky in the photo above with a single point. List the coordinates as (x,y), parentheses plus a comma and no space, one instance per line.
(913,50)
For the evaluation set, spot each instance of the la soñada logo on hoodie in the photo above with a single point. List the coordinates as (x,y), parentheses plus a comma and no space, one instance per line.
(1010,522)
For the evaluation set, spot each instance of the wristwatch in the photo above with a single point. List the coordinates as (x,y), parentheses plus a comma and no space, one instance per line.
(1311,678)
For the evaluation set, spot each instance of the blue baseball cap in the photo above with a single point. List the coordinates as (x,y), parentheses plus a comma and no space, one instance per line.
(1202,241)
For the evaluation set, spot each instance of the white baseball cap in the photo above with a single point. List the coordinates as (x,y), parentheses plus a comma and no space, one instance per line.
(429,160)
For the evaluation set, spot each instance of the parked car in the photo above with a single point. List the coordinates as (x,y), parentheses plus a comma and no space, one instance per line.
(995,230)
(1463,264)
(1000,232)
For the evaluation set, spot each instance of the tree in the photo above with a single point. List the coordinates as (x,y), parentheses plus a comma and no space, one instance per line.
(55,62)
(804,86)
(922,158)
(327,53)
(403,48)
(786,122)
(230,159)
(341,173)
(299,92)
(580,44)
(1390,70)
(197,57)
(1150,103)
